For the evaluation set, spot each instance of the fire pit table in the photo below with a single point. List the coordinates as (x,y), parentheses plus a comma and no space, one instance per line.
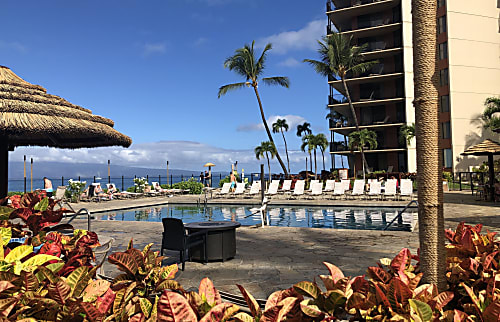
(221,241)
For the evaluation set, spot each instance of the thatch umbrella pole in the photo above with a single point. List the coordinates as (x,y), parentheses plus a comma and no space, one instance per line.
(429,177)
(4,167)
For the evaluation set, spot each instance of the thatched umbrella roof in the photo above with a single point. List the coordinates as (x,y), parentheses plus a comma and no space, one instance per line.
(489,148)
(30,116)
(484,148)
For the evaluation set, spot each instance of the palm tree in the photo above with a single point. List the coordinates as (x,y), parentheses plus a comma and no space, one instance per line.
(490,117)
(429,169)
(322,143)
(279,126)
(338,57)
(406,133)
(266,149)
(363,139)
(244,63)
(309,141)
(339,120)
(305,129)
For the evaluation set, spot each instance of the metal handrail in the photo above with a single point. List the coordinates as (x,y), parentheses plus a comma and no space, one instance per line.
(78,213)
(400,213)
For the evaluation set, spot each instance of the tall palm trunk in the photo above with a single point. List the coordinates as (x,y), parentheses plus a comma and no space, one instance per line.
(323,156)
(363,162)
(286,151)
(354,117)
(268,168)
(267,130)
(429,176)
(315,166)
(310,162)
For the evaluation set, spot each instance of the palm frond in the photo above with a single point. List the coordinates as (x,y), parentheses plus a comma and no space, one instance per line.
(277,80)
(230,87)
(319,67)
(259,66)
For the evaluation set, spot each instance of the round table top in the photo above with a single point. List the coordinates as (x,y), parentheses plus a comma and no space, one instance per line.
(213,225)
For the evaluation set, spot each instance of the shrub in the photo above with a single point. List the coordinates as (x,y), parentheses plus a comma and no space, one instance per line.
(194,186)
(140,184)
(75,189)
(228,179)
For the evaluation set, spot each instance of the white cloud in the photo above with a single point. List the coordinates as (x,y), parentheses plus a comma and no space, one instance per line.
(200,42)
(154,48)
(292,120)
(290,62)
(305,38)
(14,45)
(185,155)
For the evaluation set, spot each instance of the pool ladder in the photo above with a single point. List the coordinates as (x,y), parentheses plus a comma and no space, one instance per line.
(83,211)
(400,213)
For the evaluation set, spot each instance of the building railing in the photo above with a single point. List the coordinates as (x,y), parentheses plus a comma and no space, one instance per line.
(330,5)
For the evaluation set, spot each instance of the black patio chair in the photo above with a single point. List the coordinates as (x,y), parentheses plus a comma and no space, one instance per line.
(175,237)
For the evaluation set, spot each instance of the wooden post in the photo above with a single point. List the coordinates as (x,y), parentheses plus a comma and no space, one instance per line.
(4,167)
(122,184)
(25,174)
(109,172)
(62,181)
(491,167)
(167,175)
(31,175)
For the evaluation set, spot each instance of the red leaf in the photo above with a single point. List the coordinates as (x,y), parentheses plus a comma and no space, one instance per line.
(251,302)
(492,312)
(105,302)
(401,260)
(139,317)
(470,264)
(174,307)
(51,248)
(335,272)
(442,299)
(381,298)
(91,313)
(211,294)
(220,312)
(378,274)
(488,259)
(398,293)
(23,213)
(360,284)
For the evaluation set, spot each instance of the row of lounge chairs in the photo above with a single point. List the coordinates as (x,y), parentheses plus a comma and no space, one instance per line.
(94,192)
(329,189)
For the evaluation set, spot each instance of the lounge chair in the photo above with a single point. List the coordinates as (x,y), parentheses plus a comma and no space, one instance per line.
(329,186)
(346,183)
(254,189)
(151,192)
(299,189)
(240,189)
(287,184)
(114,192)
(390,189)
(273,188)
(156,186)
(59,195)
(317,189)
(311,184)
(339,190)
(375,190)
(359,188)
(406,188)
(224,191)
(318,215)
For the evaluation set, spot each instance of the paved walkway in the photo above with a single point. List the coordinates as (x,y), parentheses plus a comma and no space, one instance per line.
(272,258)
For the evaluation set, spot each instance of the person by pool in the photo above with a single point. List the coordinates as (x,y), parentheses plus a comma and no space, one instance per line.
(47,186)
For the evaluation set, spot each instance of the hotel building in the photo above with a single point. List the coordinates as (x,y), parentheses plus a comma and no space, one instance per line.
(469,72)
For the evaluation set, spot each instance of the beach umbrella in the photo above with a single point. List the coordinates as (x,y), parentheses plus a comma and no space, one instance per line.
(209,165)
(29,116)
(486,148)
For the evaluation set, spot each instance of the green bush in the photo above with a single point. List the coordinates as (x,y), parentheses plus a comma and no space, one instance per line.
(13,193)
(195,187)
(448,176)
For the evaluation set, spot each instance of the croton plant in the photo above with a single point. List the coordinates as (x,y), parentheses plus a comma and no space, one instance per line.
(50,277)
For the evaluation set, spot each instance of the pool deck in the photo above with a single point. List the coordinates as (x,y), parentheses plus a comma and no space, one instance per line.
(272,258)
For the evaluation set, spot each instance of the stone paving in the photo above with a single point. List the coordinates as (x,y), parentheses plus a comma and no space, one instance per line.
(272,258)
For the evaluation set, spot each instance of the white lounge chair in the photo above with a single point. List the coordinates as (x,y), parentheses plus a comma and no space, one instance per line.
(224,191)
(287,184)
(406,188)
(316,189)
(346,183)
(254,189)
(358,188)
(390,189)
(298,189)
(313,181)
(240,189)
(329,186)
(375,190)
(338,190)
(273,188)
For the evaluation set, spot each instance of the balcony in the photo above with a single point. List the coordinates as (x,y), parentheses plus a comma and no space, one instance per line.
(345,130)
(371,78)
(381,53)
(381,150)
(333,6)
(374,31)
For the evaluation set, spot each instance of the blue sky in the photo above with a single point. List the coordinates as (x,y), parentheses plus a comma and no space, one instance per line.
(154,67)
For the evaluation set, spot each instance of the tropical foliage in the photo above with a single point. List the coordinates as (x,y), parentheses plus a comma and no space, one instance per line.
(268,150)
(140,184)
(361,140)
(339,58)
(322,143)
(245,63)
(75,189)
(194,187)
(281,126)
(406,133)
(491,114)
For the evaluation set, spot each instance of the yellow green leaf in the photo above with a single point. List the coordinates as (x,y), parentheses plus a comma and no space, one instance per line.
(19,253)
(39,260)
(423,310)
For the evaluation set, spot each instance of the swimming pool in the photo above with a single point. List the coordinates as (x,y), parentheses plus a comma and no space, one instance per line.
(313,217)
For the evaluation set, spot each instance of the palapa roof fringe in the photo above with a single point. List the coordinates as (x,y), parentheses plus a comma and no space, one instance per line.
(484,148)
(30,116)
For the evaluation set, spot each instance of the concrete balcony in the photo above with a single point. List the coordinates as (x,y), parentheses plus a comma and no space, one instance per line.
(341,12)
(374,31)
(372,78)
(346,130)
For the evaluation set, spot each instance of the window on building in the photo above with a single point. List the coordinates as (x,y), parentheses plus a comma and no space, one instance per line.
(445,130)
(444,103)
(443,51)
(447,158)
(441,3)
(443,77)
(441,27)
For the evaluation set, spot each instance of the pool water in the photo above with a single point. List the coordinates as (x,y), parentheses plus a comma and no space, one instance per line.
(313,217)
